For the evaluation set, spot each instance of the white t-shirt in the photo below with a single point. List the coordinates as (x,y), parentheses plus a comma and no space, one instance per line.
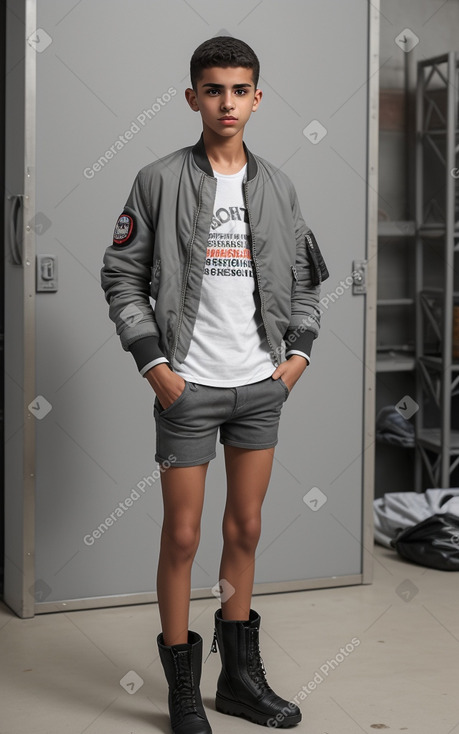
(229,345)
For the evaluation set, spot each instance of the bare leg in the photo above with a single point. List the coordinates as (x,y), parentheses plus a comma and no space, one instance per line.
(248,473)
(183,498)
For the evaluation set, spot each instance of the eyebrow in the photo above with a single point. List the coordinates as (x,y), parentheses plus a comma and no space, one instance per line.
(222,86)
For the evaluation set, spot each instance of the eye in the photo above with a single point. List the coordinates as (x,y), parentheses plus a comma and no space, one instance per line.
(209,91)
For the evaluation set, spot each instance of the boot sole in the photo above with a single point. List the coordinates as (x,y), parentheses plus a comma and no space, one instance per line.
(234,708)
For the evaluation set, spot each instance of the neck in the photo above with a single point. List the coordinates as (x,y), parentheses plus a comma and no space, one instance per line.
(222,152)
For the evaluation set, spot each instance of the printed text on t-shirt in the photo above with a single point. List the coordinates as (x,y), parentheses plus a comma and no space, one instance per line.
(228,254)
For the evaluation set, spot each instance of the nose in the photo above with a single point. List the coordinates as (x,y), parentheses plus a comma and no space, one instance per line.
(227,102)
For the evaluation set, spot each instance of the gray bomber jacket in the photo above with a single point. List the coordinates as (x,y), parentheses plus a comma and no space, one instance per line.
(159,251)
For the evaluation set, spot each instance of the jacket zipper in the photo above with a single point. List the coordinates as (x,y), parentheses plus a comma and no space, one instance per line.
(188,267)
(254,256)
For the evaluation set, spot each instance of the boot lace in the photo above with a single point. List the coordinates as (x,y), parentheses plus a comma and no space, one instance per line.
(184,691)
(255,665)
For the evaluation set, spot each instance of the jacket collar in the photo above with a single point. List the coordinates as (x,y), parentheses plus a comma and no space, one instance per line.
(200,156)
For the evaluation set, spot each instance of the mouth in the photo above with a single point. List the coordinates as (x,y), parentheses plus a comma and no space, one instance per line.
(228,117)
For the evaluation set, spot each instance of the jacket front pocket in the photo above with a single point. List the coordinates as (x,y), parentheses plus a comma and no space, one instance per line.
(154,285)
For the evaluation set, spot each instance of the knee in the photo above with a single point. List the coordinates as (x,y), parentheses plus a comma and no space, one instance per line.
(181,541)
(244,533)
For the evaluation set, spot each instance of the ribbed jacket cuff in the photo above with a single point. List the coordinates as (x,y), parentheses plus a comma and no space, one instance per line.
(301,341)
(145,350)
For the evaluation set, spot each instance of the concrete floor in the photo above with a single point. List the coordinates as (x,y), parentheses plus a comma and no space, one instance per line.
(399,672)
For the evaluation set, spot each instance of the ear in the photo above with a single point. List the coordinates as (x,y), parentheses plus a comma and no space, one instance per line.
(191,98)
(257,99)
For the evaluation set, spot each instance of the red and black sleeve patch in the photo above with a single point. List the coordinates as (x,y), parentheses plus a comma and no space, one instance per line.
(124,230)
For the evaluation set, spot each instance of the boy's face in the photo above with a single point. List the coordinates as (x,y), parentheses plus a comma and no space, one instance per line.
(224,92)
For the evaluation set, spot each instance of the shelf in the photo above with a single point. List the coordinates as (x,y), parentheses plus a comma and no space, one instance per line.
(394,361)
(437,293)
(436,363)
(396,229)
(435,230)
(395,302)
(430,438)
(437,131)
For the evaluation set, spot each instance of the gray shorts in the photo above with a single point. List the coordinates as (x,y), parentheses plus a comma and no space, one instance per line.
(247,416)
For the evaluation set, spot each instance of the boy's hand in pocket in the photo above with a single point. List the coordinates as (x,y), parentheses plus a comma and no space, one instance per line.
(167,385)
(291,370)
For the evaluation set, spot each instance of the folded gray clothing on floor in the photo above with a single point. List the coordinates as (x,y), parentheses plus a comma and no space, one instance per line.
(399,510)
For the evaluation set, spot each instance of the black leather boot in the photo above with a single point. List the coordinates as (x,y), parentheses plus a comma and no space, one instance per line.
(242,688)
(182,666)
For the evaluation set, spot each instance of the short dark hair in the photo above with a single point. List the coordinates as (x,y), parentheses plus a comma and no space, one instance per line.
(223,51)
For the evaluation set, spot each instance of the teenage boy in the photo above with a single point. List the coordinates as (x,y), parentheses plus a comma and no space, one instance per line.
(214,235)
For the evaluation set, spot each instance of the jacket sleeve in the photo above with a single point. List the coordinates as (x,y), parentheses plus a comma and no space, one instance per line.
(308,273)
(126,276)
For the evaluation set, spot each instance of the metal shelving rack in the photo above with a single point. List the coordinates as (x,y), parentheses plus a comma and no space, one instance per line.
(437,223)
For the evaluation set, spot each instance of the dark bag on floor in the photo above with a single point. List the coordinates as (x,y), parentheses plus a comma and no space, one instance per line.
(434,542)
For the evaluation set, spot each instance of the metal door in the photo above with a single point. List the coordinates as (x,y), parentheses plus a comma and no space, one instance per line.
(109,90)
